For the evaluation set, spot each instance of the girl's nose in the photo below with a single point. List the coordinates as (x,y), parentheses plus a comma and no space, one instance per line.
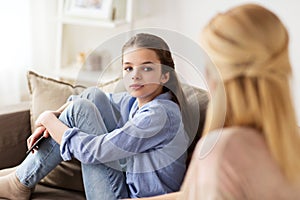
(136,75)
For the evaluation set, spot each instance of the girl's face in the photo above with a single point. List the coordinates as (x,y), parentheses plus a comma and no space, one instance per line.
(142,74)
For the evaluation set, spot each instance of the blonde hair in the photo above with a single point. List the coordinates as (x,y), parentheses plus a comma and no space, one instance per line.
(249,46)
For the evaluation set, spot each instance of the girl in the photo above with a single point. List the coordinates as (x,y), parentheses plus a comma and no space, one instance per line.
(257,155)
(140,131)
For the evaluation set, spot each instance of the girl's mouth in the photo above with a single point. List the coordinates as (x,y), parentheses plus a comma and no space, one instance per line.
(136,86)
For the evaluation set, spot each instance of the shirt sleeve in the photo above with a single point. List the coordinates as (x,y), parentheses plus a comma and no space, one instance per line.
(146,131)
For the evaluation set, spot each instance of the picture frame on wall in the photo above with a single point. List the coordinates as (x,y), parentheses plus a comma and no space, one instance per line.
(96,9)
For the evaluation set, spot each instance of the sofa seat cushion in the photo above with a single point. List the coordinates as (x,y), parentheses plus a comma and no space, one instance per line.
(44,192)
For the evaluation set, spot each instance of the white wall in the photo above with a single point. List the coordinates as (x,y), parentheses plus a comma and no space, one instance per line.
(43,17)
(185,16)
(15,50)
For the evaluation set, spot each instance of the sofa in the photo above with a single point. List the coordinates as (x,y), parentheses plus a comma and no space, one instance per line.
(16,122)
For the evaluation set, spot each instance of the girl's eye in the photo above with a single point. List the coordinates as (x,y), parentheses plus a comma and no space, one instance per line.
(147,69)
(128,69)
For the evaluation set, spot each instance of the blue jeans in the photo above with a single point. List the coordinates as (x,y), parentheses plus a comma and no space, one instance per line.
(92,113)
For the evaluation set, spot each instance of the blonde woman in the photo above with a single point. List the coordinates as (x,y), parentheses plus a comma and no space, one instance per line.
(255,153)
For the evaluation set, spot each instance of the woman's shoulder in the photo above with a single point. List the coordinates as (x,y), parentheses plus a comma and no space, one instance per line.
(234,138)
(239,161)
(237,144)
(242,139)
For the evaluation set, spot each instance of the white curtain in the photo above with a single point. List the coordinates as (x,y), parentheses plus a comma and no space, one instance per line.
(15,50)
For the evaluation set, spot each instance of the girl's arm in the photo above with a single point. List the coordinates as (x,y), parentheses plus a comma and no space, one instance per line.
(41,129)
(63,107)
(53,125)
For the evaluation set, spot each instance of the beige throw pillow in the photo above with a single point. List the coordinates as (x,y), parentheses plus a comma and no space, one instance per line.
(50,94)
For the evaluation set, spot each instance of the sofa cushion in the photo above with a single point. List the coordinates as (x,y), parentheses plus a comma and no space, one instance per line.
(43,192)
(50,94)
(197,101)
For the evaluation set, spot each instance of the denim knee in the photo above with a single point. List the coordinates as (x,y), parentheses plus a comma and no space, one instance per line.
(82,106)
(93,94)
(79,107)
(97,96)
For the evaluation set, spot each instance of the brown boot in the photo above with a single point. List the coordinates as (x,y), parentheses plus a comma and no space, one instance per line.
(11,188)
(4,172)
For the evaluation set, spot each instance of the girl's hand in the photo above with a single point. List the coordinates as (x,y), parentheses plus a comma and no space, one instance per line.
(41,129)
(36,135)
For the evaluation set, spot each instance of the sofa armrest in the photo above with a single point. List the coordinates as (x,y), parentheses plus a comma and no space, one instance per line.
(15,129)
